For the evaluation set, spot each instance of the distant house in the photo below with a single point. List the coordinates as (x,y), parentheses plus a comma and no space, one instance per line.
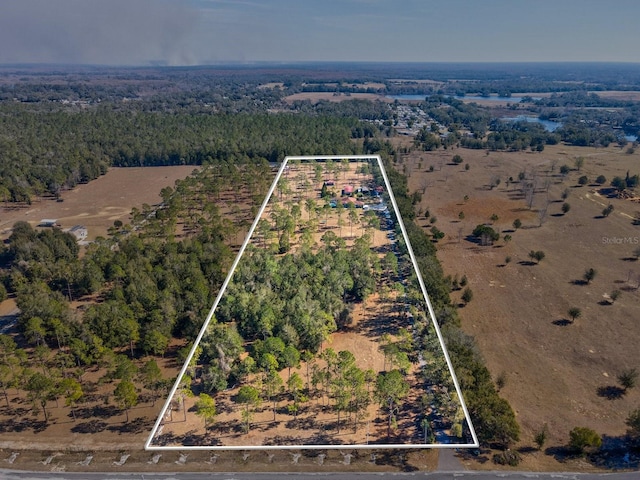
(49,222)
(79,231)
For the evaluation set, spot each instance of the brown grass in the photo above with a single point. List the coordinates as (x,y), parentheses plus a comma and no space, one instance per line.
(553,370)
(98,204)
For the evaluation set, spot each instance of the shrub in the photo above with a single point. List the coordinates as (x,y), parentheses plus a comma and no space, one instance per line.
(601,180)
(467,295)
(536,255)
(541,437)
(508,457)
(618,183)
(628,378)
(581,438)
(583,180)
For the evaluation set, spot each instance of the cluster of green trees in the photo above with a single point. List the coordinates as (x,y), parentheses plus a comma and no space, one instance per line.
(519,136)
(456,114)
(301,297)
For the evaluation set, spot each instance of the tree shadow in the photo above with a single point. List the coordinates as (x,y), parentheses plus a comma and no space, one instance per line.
(629,259)
(138,425)
(563,322)
(611,392)
(102,411)
(629,288)
(608,192)
(561,453)
(23,424)
(93,426)
(527,449)
(527,263)
(579,282)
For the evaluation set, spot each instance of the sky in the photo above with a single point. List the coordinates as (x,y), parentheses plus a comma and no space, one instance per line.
(199,32)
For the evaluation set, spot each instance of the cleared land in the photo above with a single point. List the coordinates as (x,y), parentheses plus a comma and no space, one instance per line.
(98,204)
(555,372)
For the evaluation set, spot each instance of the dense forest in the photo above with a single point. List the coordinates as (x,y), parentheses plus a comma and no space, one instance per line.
(43,152)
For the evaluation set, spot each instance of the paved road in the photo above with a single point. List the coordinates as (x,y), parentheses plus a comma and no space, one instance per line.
(466,475)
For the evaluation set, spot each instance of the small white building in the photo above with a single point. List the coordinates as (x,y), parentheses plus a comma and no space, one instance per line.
(79,231)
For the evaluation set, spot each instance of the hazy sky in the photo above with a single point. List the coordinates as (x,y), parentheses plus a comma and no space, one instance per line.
(187,32)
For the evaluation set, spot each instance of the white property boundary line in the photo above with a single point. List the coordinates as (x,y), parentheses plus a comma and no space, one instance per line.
(148,444)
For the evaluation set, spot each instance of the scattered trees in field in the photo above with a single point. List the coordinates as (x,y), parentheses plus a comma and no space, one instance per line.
(126,396)
(206,408)
(541,437)
(618,183)
(391,388)
(583,180)
(607,210)
(589,275)
(615,295)
(565,208)
(467,295)
(537,255)
(40,390)
(249,397)
(574,313)
(601,180)
(517,223)
(628,379)
(485,234)
(436,233)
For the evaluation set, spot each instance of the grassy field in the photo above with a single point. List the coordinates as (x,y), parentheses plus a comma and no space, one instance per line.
(555,371)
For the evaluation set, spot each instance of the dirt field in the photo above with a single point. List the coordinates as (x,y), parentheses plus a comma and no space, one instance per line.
(556,372)
(98,204)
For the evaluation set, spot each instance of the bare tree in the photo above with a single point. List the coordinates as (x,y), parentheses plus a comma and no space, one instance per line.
(529,193)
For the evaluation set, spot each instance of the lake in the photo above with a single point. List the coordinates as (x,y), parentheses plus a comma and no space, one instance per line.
(549,125)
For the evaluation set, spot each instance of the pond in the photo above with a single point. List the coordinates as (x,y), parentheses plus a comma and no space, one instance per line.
(549,125)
